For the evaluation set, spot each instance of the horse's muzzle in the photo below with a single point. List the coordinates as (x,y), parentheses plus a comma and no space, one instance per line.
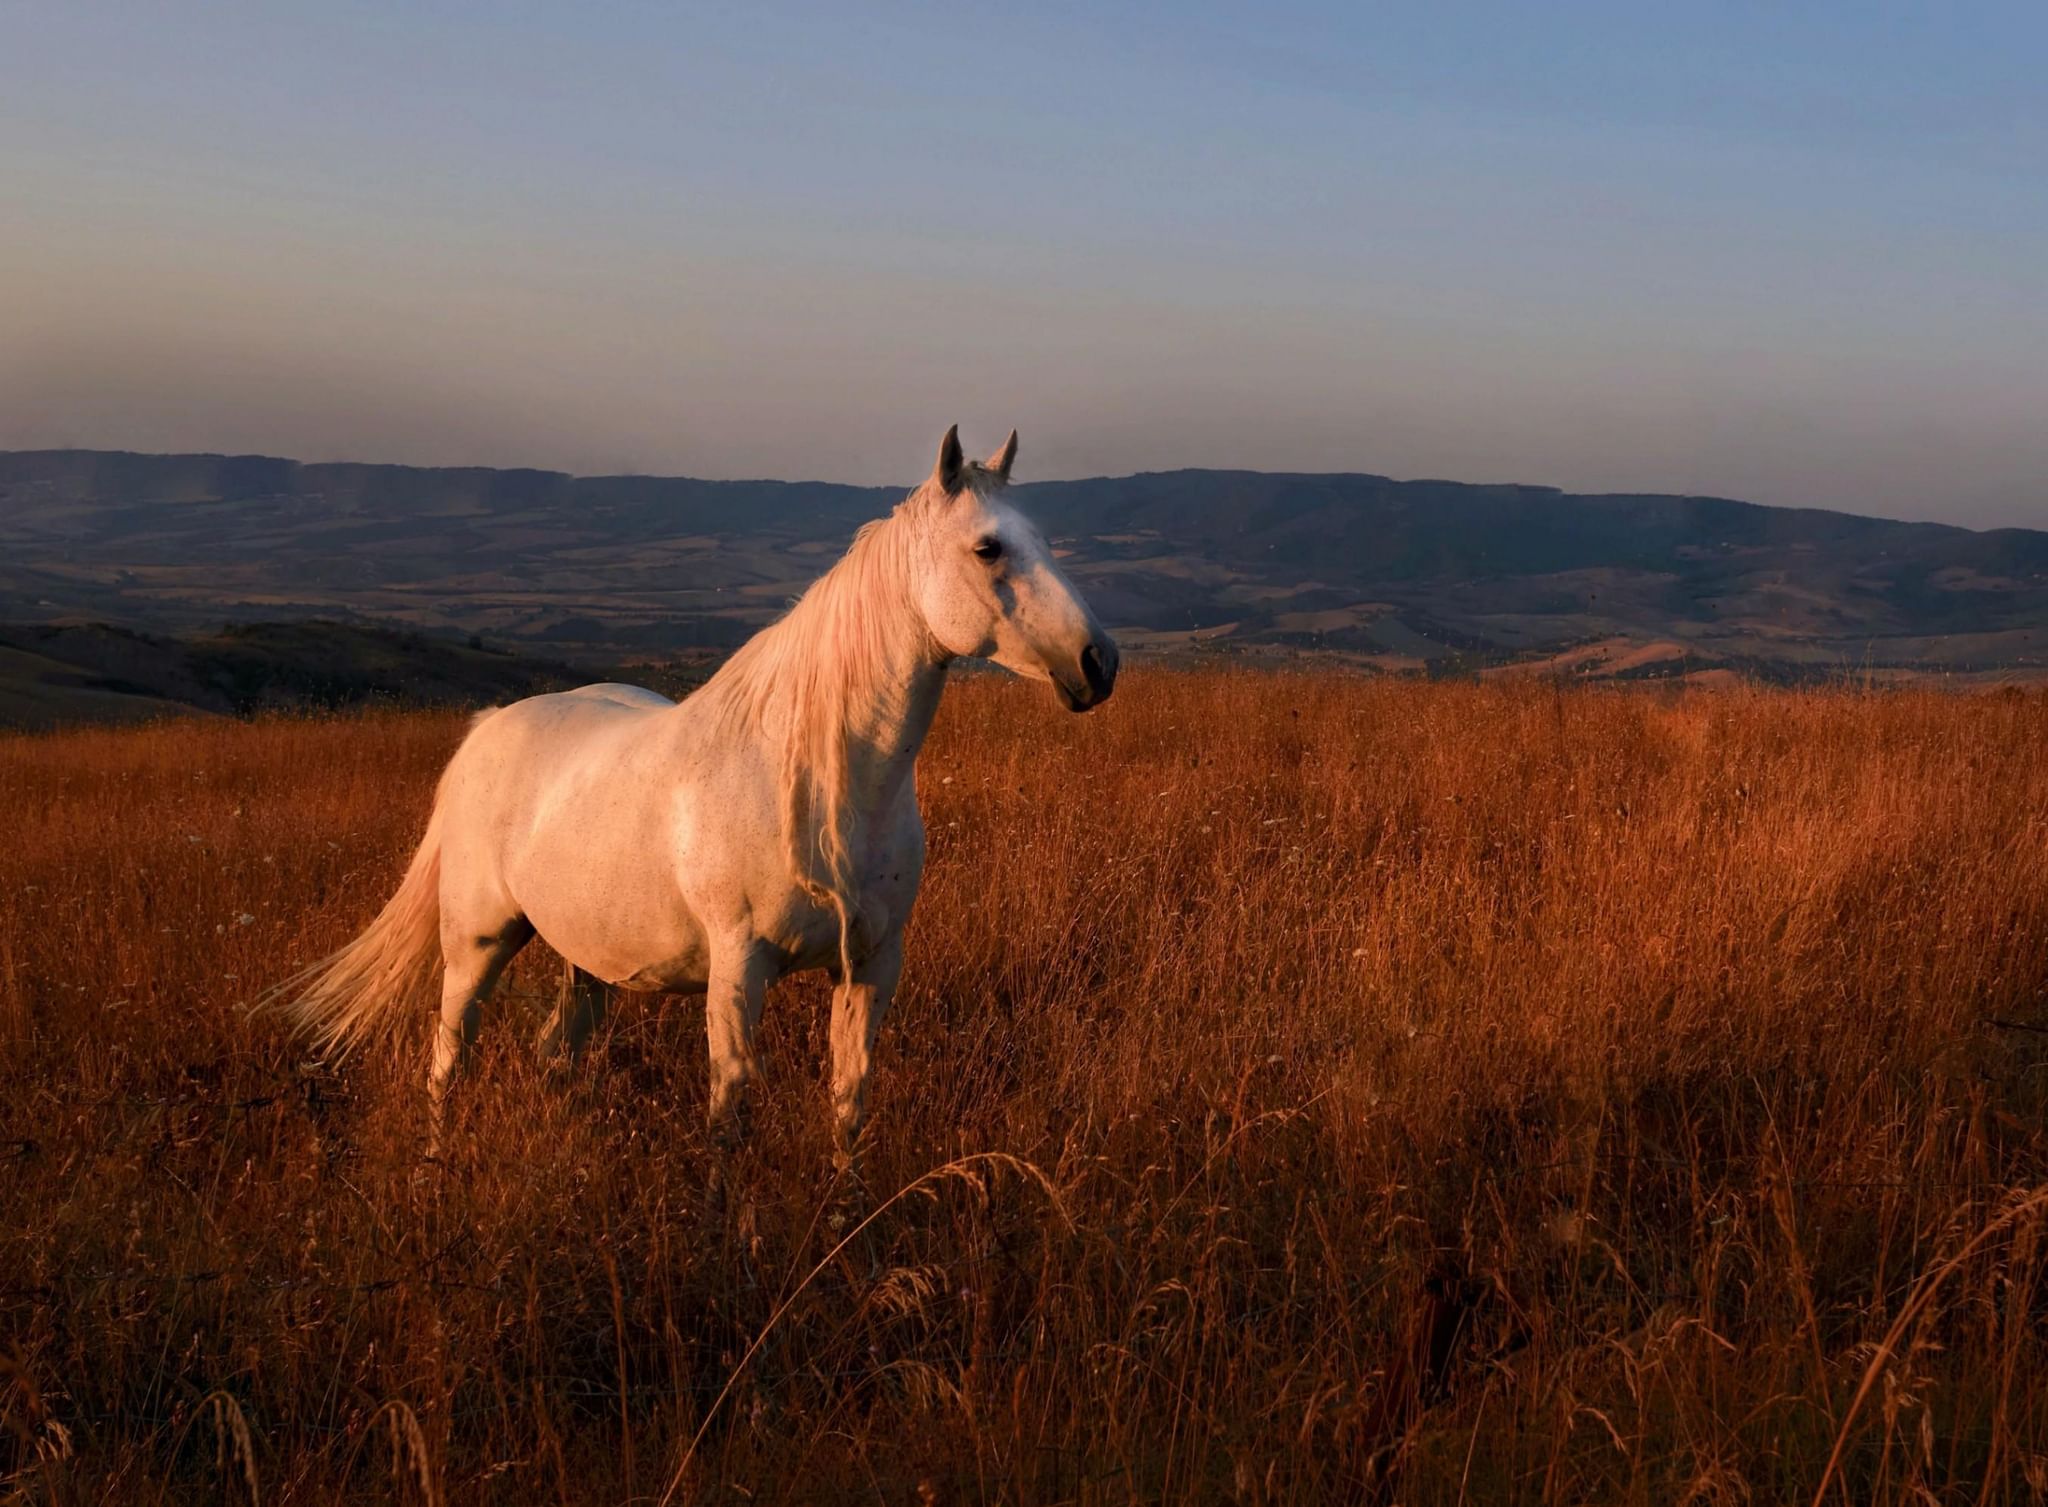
(1097,677)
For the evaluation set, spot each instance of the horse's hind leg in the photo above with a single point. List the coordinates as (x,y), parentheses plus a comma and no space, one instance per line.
(472,963)
(576,1016)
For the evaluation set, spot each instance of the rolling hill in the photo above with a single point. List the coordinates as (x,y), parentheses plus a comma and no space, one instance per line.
(1395,574)
(54,675)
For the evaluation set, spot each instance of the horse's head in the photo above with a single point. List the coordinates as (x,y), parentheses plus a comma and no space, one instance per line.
(989,589)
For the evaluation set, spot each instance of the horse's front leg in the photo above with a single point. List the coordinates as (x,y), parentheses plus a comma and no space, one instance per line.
(732,1008)
(858,1005)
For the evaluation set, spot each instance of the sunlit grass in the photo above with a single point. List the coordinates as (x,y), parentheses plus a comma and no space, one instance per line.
(1423,1092)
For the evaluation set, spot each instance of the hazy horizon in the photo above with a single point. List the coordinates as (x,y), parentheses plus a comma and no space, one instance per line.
(1800,260)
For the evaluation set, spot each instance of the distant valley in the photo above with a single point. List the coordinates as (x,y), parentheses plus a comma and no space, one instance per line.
(550,570)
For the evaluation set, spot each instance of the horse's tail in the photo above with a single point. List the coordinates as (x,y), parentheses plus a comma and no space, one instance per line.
(362,992)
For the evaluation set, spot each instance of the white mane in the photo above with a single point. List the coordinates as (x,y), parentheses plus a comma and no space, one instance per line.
(823,676)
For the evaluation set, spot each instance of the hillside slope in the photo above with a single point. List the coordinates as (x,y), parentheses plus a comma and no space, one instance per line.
(55,676)
(1396,573)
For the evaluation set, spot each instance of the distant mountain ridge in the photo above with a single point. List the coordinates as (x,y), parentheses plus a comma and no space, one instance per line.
(1397,574)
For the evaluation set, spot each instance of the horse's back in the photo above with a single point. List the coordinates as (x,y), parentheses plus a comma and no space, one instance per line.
(616,693)
(515,753)
(562,717)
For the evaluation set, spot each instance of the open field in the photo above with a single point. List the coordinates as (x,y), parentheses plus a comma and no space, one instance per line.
(1402,1091)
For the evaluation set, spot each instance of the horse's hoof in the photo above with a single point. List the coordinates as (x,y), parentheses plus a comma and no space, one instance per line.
(848,1200)
(717,1191)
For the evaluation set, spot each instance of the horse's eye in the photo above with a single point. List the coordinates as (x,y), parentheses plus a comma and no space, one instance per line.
(990,548)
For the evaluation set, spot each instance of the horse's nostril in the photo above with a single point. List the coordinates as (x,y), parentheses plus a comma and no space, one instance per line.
(1101,673)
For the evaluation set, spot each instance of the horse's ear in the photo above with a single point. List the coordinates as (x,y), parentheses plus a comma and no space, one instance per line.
(952,462)
(999,463)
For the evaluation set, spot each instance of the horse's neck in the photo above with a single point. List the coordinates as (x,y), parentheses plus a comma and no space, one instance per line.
(849,683)
(882,748)
(890,690)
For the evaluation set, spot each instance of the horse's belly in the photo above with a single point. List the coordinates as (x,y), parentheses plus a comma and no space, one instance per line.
(687,972)
(632,932)
(654,959)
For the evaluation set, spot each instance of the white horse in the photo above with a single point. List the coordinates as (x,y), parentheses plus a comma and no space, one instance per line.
(765,825)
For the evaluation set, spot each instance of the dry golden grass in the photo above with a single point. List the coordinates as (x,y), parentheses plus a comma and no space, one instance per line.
(1423,1093)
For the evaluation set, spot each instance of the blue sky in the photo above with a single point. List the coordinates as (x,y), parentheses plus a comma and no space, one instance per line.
(1792,253)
